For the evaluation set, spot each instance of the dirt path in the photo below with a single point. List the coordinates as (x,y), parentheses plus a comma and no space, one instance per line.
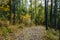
(32,33)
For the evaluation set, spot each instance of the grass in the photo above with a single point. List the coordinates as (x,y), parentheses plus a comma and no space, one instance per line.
(52,34)
(4,31)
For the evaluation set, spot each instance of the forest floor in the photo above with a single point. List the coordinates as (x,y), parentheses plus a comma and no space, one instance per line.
(18,32)
(25,33)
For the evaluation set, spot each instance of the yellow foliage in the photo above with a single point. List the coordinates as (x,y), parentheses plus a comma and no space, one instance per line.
(0,0)
(26,17)
(5,8)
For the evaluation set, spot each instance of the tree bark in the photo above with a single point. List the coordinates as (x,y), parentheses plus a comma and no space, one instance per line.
(46,14)
(55,14)
(51,13)
(14,9)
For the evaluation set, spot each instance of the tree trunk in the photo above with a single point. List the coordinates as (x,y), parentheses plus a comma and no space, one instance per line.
(14,9)
(46,14)
(55,14)
(10,11)
(51,13)
(19,11)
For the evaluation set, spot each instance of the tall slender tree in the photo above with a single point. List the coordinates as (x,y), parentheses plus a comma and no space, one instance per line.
(51,13)
(55,13)
(19,10)
(31,9)
(22,6)
(26,6)
(59,17)
(14,11)
(10,11)
(46,14)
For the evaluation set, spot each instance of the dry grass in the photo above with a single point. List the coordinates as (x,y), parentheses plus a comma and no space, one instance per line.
(51,34)
(4,23)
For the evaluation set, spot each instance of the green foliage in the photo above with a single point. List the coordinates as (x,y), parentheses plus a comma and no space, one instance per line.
(4,31)
(52,34)
(36,10)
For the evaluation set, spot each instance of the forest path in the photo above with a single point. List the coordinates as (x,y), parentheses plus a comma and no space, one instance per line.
(31,33)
